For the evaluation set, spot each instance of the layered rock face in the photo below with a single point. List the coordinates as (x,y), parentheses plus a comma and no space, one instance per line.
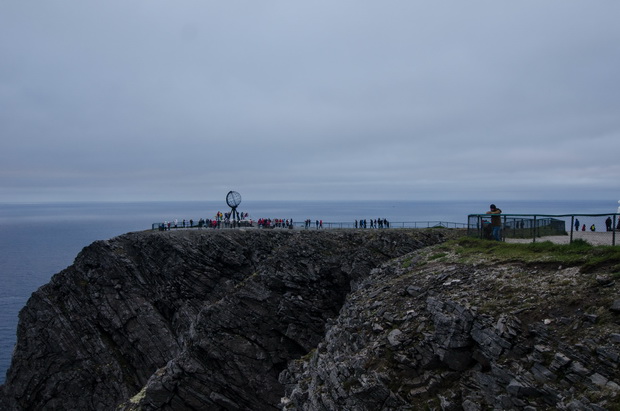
(189,319)
(431,331)
(317,320)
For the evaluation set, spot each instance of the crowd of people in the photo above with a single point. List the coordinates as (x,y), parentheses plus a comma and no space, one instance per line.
(221,220)
(274,223)
(224,220)
(608,225)
(376,223)
(317,223)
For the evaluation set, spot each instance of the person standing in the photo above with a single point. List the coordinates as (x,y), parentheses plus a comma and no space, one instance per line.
(608,223)
(496,222)
(576,224)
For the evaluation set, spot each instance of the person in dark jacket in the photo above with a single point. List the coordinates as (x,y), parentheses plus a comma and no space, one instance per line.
(496,222)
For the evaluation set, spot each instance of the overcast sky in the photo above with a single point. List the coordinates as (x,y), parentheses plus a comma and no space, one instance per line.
(402,99)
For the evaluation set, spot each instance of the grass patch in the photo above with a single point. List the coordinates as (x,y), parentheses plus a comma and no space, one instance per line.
(407,262)
(437,255)
(577,253)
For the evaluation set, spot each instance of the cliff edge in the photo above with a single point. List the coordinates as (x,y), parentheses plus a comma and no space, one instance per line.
(322,320)
(190,319)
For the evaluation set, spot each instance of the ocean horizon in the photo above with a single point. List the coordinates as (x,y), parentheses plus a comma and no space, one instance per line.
(39,240)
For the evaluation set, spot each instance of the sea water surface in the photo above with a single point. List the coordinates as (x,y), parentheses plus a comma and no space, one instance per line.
(39,240)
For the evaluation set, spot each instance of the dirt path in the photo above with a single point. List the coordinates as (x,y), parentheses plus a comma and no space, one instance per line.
(594,238)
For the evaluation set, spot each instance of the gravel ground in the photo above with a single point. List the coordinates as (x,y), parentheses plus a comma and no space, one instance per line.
(594,238)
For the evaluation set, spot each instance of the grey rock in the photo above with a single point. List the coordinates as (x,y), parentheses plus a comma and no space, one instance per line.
(189,319)
(604,280)
(560,360)
(289,320)
(394,337)
(541,373)
(591,318)
(414,291)
(521,389)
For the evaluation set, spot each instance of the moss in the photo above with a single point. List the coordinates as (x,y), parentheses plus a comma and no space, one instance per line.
(407,262)
(245,281)
(613,405)
(437,256)
(138,397)
(580,253)
(602,256)
(309,355)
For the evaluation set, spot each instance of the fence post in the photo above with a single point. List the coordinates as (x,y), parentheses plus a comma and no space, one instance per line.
(535,230)
(613,232)
(572,224)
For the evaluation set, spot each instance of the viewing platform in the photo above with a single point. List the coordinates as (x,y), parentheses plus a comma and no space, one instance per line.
(596,229)
(300,225)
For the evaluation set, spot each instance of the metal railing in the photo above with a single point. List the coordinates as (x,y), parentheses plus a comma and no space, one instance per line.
(397,224)
(597,229)
(313,226)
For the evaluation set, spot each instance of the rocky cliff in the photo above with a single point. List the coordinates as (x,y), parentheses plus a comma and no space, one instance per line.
(192,319)
(313,320)
(505,327)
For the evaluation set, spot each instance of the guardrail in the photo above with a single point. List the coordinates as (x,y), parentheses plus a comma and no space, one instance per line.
(593,228)
(396,224)
(313,226)
(597,229)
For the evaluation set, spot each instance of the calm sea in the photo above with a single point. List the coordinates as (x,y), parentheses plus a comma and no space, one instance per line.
(39,240)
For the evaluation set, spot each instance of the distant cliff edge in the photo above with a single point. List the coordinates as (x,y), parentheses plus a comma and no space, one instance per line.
(317,320)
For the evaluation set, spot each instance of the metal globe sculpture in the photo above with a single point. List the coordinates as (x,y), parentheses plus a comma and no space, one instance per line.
(233,199)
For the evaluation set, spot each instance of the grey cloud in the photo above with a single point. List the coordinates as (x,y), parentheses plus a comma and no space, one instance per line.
(310,100)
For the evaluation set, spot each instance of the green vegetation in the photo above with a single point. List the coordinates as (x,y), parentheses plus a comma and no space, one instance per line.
(579,252)
(407,262)
(308,355)
(529,232)
(437,256)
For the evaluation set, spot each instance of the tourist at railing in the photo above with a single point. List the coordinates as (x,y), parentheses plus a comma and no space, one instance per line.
(496,222)
(221,222)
